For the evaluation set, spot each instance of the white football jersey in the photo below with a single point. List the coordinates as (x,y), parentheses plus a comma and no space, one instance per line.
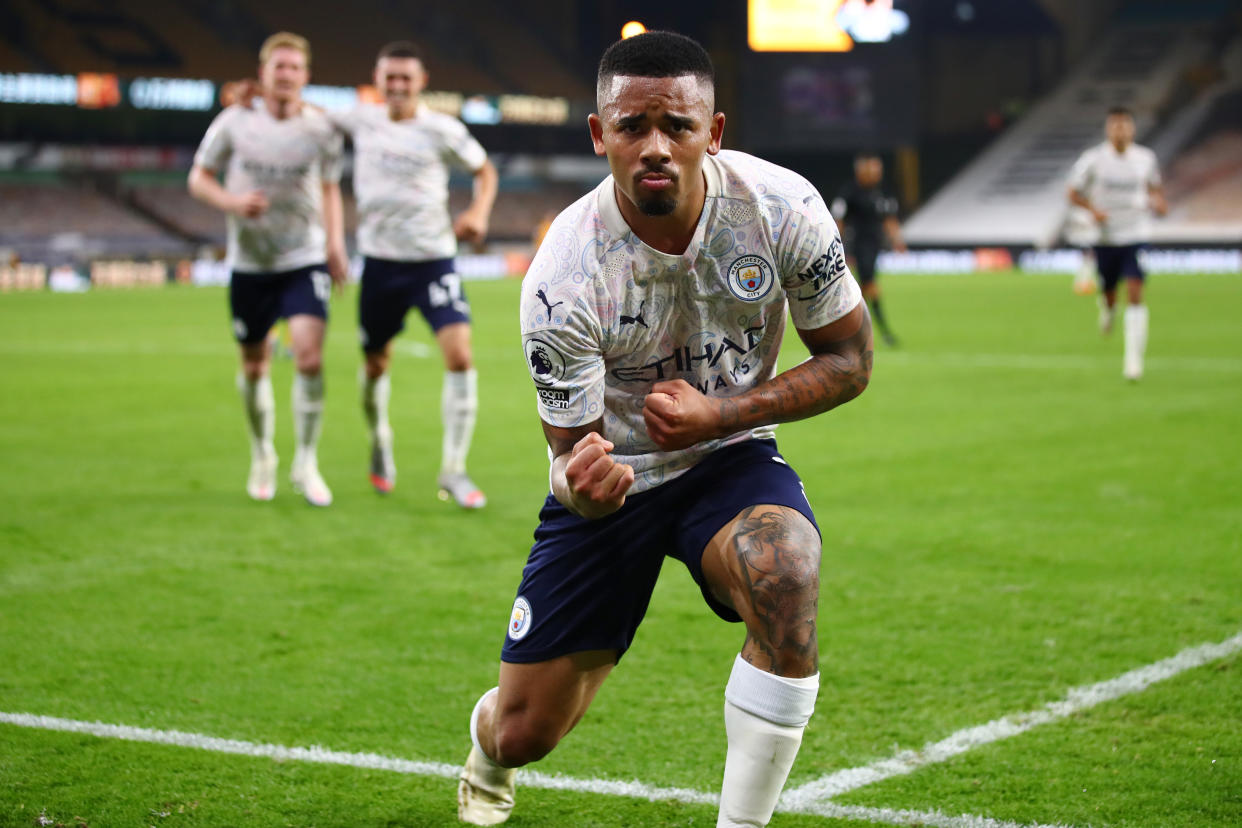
(604,317)
(1117,183)
(401,177)
(288,159)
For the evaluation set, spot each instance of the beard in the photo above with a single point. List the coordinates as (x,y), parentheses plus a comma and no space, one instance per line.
(657,205)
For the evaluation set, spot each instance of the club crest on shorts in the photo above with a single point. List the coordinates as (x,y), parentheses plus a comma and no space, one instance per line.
(520,619)
(546,363)
(750,278)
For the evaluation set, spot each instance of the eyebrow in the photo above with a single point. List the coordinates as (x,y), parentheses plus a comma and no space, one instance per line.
(641,118)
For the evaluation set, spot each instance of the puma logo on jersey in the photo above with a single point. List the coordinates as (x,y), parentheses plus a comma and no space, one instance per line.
(636,318)
(543,297)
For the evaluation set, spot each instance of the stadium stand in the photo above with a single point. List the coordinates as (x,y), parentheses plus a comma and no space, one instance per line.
(219,40)
(1014,192)
(1181,73)
(1176,65)
(71,219)
(59,221)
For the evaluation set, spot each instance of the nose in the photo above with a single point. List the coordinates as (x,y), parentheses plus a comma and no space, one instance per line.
(655,149)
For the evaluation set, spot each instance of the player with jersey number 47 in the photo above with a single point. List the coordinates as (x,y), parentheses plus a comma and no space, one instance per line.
(404,154)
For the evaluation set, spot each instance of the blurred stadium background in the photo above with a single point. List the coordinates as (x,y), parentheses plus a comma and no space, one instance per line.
(978,107)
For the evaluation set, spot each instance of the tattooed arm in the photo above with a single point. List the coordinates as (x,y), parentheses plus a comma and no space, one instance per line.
(677,415)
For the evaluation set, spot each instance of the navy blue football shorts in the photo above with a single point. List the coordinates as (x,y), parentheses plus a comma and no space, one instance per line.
(587,583)
(1117,263)
(391,288)
(257,300)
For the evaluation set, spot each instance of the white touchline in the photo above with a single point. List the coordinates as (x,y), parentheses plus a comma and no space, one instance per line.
(808,799)
(1078,698)
(530,779)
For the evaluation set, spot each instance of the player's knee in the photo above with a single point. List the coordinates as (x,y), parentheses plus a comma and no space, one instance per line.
(523,739)
(376,365)
(778,548)
(458,359)
(778,556)
(310,362)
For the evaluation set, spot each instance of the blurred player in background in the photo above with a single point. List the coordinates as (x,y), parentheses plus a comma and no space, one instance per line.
(1118,182)
(286,246)
(1080,230)
(652,317)
(867,215)
(404,154)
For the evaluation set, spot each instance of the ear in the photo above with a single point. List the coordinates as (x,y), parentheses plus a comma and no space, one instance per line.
(597,133)
(718,122)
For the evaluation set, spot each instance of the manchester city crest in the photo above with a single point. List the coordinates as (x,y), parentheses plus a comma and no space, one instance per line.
(520,619)
(750,278)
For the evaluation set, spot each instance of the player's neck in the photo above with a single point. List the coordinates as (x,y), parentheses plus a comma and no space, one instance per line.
(1120,147)
(282,108)
(669,234)
(403,112)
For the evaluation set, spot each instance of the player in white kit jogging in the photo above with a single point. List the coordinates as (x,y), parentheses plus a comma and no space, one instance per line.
(286,246)
(1118,182)
(651,320)
(404,153)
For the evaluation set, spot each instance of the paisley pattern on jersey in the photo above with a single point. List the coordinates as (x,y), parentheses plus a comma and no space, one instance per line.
(621,316)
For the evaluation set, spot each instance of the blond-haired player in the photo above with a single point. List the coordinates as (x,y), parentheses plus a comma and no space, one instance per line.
(281,163)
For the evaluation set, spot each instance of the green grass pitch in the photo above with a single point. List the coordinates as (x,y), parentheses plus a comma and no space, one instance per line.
(1004,516)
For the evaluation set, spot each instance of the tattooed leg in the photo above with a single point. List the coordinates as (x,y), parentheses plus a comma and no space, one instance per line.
(765,565)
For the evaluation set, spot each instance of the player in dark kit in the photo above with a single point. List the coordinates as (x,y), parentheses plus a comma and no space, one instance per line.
(866,215)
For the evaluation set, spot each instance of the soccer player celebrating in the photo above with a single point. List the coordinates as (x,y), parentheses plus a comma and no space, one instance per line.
(286,246)
(867,214)
(404,154)
(1118,181)
(651,319)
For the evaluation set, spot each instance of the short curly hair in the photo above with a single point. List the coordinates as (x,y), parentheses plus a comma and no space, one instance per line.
(655,55)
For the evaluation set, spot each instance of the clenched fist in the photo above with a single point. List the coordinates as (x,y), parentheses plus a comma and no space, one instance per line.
(678,415)
(595,484)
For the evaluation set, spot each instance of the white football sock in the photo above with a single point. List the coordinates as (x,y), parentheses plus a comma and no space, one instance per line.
(474,719)
(459,403)
(1136,339)
(260,413)
(375,395)
(307,414)
(765,716)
